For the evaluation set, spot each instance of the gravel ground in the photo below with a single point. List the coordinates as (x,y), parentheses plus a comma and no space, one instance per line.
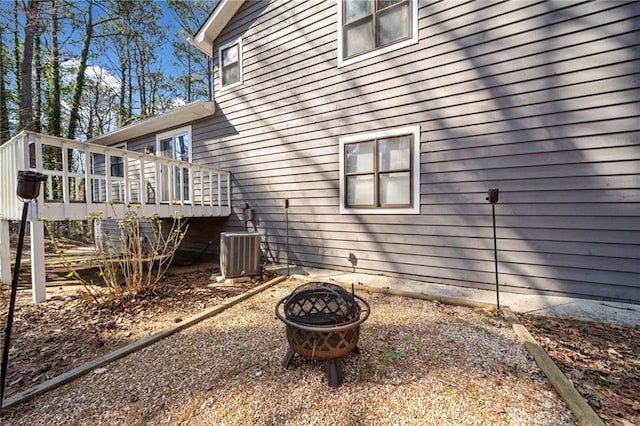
(420,363)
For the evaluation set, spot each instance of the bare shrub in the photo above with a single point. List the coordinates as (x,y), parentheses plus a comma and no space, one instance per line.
(132,264)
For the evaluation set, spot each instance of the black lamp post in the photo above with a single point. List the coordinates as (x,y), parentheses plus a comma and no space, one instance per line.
(28,190)
(493,199)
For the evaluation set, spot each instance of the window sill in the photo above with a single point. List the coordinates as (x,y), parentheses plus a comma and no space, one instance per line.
(377,52)
(408,210)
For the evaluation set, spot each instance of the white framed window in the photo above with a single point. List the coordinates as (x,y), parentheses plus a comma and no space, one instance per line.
(230,64)
(175,182)
(380,172)
(368,28)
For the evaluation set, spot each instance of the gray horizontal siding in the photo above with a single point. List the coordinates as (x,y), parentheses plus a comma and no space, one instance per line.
(539,99)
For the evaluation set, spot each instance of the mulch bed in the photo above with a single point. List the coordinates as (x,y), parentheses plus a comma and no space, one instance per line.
(602,361)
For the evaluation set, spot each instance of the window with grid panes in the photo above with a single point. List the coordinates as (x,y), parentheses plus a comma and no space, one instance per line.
(231,64)
(380,171)
(368,25)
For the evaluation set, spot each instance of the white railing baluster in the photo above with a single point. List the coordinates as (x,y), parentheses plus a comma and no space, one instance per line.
(158,184)
(65,174)
(127,189)
(143,197)
(210,189)
(88,182)
(25,152)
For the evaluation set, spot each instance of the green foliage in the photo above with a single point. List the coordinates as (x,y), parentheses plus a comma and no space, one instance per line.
(604,382)
(393,355)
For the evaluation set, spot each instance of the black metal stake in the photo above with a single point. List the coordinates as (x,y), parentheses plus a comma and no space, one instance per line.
(492,197)
(495,255)
(286,219)
(12,304)
(28,189)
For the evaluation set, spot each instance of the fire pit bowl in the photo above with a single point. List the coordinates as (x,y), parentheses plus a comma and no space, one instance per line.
(322,323)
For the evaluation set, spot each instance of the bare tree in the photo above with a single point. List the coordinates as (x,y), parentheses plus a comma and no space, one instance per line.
(54,109)
(32,17)
(4,113)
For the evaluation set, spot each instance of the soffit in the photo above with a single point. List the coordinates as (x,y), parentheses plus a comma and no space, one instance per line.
(174,118)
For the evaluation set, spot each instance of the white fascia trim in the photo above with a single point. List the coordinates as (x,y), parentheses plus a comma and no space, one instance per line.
(203,46)
(396,131)
(381,51)
(215,23)
(222,88)
(173,133)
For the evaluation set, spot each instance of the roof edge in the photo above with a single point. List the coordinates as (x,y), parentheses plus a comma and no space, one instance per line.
(176,117)
(215,23)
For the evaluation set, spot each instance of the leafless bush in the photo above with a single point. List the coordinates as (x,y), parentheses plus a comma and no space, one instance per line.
(132,264)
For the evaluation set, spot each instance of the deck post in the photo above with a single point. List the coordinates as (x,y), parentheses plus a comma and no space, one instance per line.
(5,250)
(38,276)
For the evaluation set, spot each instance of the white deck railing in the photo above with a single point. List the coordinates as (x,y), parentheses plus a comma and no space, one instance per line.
(83,178)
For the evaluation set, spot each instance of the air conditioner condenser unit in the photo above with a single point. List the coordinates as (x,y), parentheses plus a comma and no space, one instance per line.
(239,254)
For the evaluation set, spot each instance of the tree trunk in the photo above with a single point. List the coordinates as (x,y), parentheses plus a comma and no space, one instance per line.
(4,114)
(122,110)
(189,83)
(32,17)
(54,110)
(129,88)
(37,112)
(17,61)
(77,94)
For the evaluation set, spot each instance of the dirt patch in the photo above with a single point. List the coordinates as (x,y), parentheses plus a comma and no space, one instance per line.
(600,359)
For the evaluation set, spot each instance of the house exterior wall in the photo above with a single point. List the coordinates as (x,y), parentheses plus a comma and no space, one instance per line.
(537,99)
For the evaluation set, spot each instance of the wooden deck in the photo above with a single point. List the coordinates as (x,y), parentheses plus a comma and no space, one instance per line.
(83,179)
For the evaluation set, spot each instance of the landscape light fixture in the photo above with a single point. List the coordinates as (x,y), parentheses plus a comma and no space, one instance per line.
(27,191)
(492,197)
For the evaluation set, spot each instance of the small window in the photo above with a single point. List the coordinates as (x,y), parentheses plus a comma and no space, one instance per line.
(368,28)
(230,64)
(380,172)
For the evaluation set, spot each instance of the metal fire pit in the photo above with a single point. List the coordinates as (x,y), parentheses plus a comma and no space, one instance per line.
(322,323)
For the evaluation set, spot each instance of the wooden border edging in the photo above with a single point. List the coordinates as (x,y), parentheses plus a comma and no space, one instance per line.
(575,402)
(85,368)
(584,414)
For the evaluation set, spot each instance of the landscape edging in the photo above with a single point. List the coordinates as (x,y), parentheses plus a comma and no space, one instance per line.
(54,382)
(584,414)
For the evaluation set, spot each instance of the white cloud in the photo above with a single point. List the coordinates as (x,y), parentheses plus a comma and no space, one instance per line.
(94,72)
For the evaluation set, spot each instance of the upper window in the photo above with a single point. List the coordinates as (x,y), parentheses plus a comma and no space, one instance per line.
(230,62)
(368,28)
(380,172)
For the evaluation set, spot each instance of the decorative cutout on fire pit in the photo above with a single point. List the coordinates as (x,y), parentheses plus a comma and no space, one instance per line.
(323,323)
(321,304)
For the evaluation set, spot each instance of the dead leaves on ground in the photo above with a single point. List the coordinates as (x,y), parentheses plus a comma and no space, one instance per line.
(602,361)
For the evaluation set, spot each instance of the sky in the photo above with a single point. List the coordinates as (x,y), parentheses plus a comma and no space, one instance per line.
(166,56)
